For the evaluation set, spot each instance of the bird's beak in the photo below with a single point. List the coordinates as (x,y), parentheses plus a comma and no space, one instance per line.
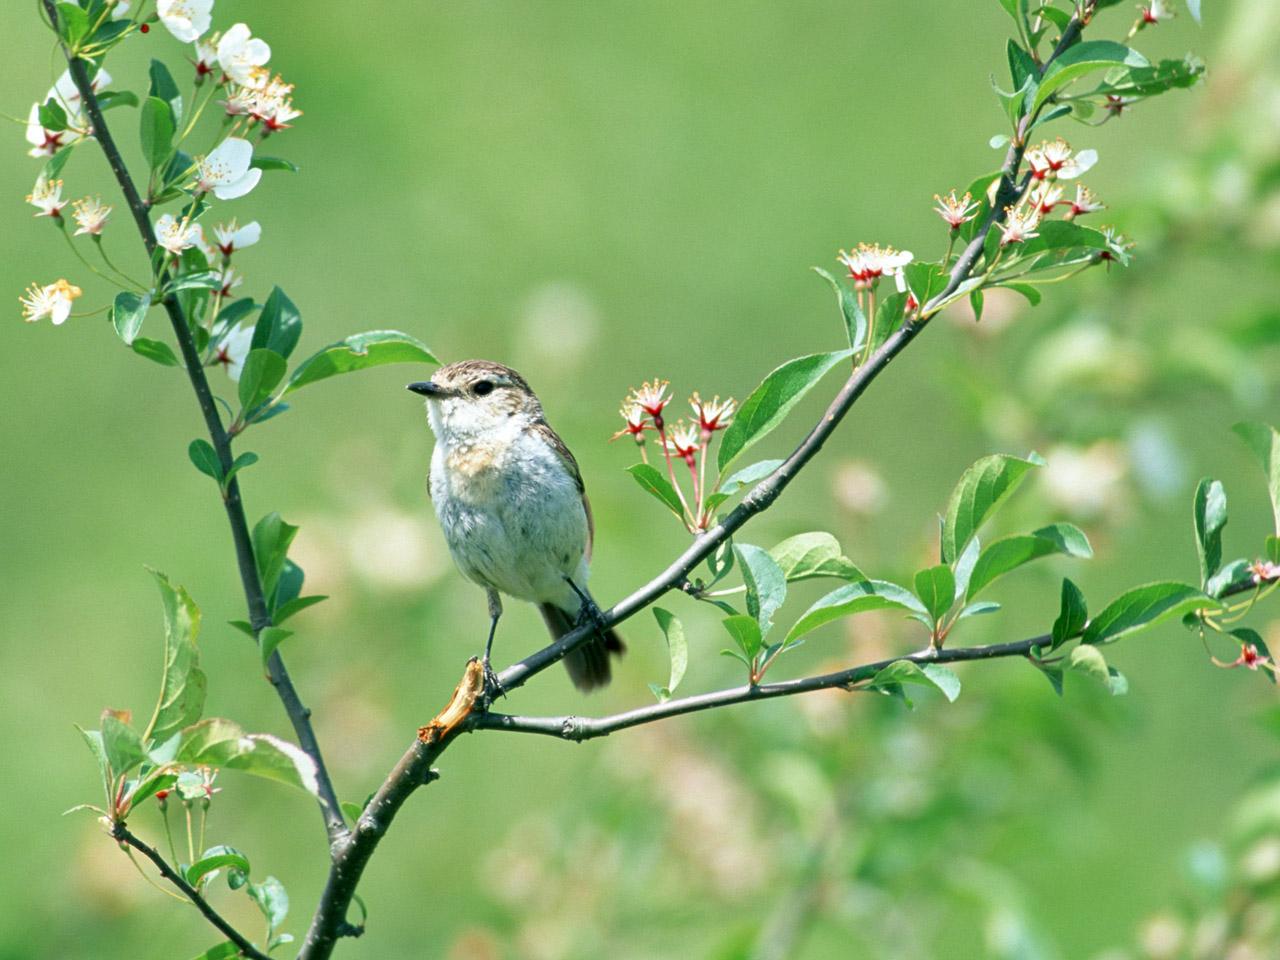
(428,389)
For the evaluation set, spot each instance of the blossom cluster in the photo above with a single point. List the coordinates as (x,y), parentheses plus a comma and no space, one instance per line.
(1050,163)
(231,65)
(685,440)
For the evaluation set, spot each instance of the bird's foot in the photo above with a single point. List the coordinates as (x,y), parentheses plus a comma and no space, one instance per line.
(492,686)
(589,613)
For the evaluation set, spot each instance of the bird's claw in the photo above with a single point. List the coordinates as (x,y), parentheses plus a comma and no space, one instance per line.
(492,686)
(589,614)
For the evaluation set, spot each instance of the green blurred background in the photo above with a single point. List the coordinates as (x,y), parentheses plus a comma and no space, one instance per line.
(597,193)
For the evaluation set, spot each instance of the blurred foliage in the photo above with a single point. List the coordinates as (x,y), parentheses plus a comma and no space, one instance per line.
(645,186)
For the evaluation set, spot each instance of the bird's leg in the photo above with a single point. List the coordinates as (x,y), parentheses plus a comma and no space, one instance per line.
(589,612)
(492,688)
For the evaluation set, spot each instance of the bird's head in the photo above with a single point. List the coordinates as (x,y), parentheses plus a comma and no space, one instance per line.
(474,397)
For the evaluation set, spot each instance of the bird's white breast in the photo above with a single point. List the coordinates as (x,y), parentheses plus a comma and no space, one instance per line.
(511,512)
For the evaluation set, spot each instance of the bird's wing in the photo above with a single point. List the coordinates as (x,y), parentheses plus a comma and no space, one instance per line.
(543,429)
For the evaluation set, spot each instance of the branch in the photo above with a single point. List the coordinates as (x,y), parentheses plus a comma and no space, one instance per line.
(588,728)
(768,490)
(414,768)
(259,617)
(121,833)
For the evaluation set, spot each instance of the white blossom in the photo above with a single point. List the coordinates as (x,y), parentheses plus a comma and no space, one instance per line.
(185,19)
(232,237)
(1056,160)
(227,171)
(45,143)
(869,262)
(228,280)
(1085,202)
(1019,225)
(46,196)
(178,235)
(243,56)
(207,55)
(233,349)
(90,214)
(52,300)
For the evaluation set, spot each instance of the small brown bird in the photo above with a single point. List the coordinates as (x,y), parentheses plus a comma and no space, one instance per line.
(511,501)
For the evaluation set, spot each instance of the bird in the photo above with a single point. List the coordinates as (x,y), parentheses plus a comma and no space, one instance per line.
(511,502)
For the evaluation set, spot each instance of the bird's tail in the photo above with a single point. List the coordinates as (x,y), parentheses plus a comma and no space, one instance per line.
(588,665)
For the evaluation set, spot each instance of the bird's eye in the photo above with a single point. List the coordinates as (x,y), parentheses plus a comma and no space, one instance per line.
(483,388)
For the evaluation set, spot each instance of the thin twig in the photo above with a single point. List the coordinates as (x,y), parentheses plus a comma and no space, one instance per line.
(121,833)
(259,616)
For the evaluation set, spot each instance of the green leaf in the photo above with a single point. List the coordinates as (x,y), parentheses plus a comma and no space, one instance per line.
(156,130)
(1265,443)
(1014,103)
(928,279)
(271,540)
(1073,614)
(155,780)
(269,639)
(1237,571)
(163,88)
(745,631)
(677,649)
(1089,660)
(279,326)
(1059,18)
(963,565)
(154,350)
(810,555)
(977,609)
(93,740)
(1032,294)
(888,318)
(765,582)
(1082,59)
(295,606)
(1008,554)
(657,485)
(352,811)
(856,598)
(53,166)
(216,861)
(246,459)
(1021,67)
(263,370)
(982,488)
(770,402)
(1209,512)
(855,321)
(260,162)
(108,99)
(205,459)
(52,116)
(748,475)
(182,682)
(127,314)
(358,352)
(197,280)
(928,675)
(936,587)
(121,743)
(223,951)
(272,900)
(218,742)
(73,22)
(1144,607)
